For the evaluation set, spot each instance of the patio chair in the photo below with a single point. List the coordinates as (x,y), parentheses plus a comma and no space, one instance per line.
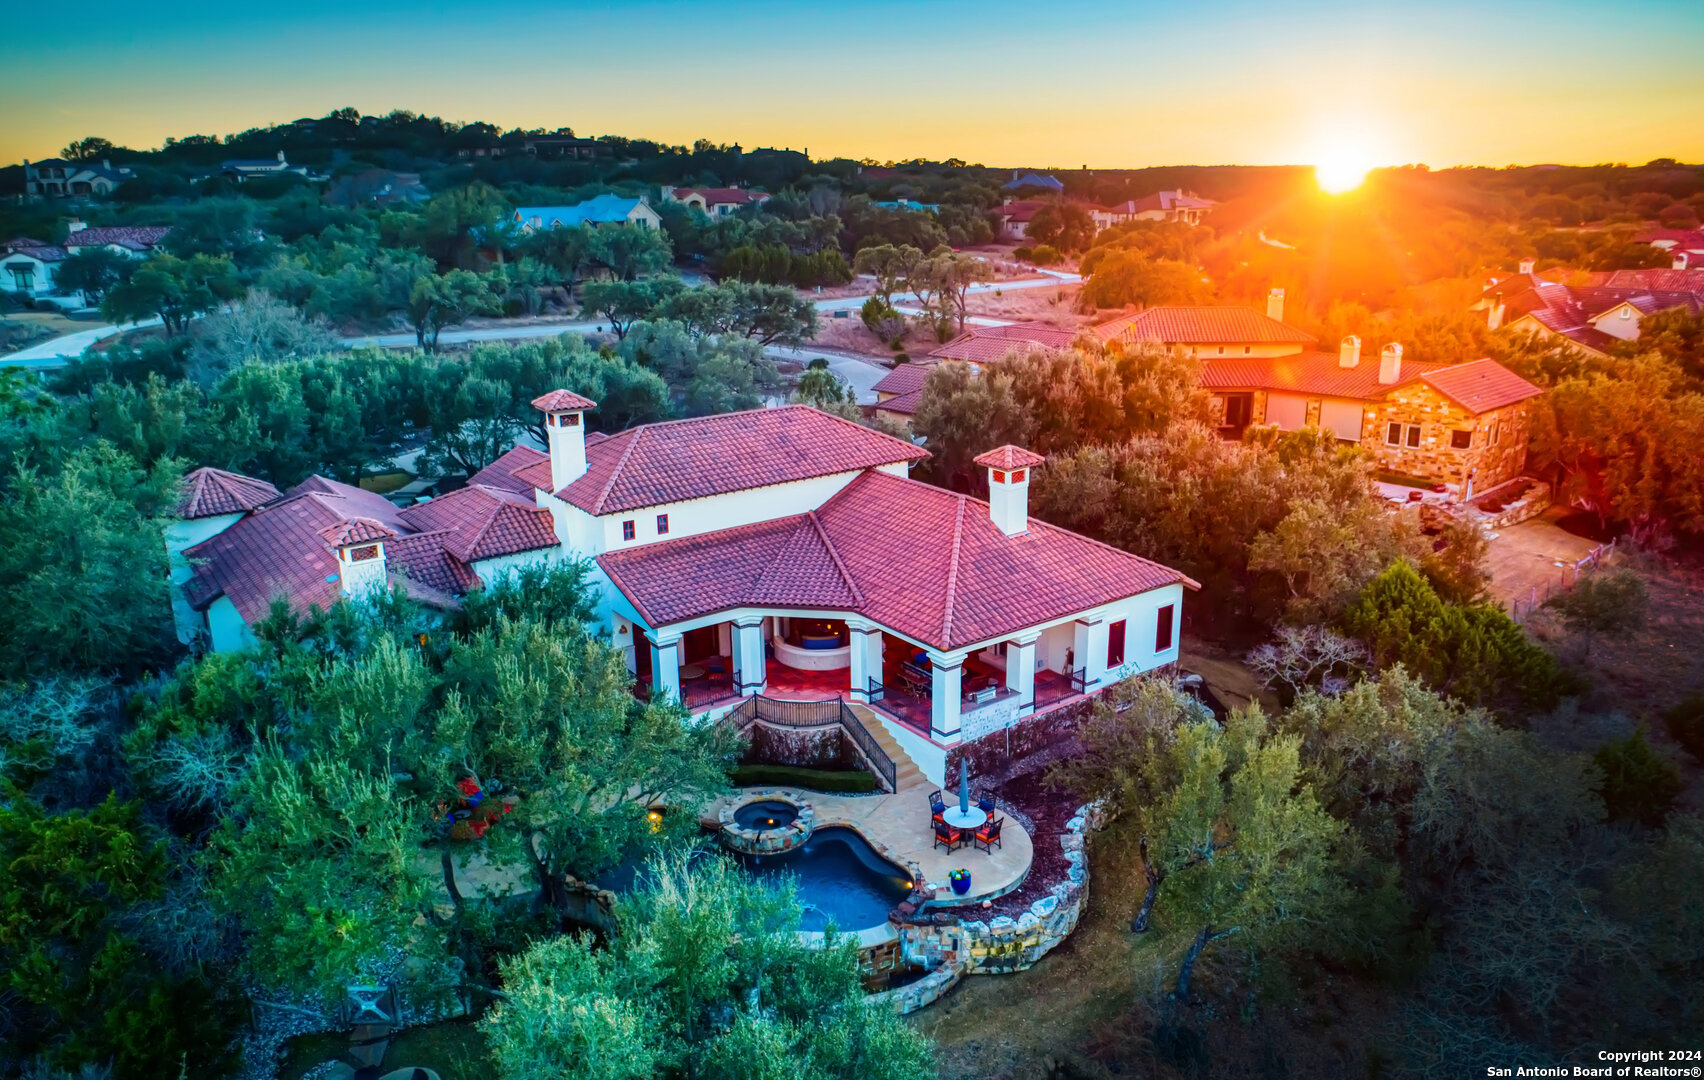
(985,801)
(937,807)
(946,836)
(988,836)
(715,666)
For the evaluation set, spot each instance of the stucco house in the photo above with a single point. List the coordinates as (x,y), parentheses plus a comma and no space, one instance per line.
(1014,217)
(715,202)
(1181,206)
(1592,311)
(56,178)
(777,552)
(28,267)
(242,169)
(603,210)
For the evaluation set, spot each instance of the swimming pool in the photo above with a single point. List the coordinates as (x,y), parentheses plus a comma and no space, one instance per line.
(841,880)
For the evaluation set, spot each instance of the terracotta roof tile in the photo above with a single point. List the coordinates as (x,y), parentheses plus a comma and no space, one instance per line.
(134,237)
(903,404)
(355,531)
(985,344)
(963,580)
(1009,457)
(693,459)
(208,492)
(561,400)
(1306,373)
(484,522)
(904,378)
(1481,386)
(1211,326)
(506,472)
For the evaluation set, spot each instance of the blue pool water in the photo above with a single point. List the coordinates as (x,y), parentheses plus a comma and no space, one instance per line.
(841,880)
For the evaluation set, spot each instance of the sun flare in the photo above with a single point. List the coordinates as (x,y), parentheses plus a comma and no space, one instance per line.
(1340,171)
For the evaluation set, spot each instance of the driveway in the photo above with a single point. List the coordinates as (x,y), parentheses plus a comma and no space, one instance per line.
(57,351)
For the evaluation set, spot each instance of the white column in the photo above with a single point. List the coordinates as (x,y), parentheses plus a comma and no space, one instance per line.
(665,665)
(1020,670)
(945,693)
(750,671)
(1080,634)
(866,660)
(1096,664)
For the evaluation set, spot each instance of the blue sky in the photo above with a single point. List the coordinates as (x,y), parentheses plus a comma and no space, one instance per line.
(1064,84)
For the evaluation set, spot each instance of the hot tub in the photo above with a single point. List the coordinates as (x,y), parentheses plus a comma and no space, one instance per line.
(765,823)
(824,657)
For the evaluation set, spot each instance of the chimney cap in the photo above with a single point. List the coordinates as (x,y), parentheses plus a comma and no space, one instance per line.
(355,531)
(1009,457)
(563,401)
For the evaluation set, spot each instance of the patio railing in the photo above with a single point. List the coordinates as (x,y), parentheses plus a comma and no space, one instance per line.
(1080,681)
(816,714)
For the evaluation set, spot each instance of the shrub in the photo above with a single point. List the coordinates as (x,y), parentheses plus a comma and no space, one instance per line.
(1044,255)
(1685,723)
(1638,783)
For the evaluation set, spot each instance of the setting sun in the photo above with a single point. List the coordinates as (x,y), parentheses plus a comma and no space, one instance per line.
(1340,172)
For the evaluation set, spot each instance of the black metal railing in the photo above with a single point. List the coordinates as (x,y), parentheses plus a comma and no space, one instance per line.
(1080,680)
(876,690)
(816,714)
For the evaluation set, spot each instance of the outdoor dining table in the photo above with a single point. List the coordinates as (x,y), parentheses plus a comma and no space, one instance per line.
(965,819)
(693,671)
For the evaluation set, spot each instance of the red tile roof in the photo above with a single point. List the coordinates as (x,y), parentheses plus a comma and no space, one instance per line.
(680,460)
(1481,386)
(904,378)
(901,404)
(1020,209)
(286,548)
(1009,457)
(505,472)
(985,344)
(561,401)
(35,249)
(355,531)
(963,580)
(209,492)
(483,522)
(1691,281)
(134,237)
(1210,326)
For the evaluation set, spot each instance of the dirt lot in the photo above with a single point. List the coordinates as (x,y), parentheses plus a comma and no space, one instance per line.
(1525,557)
(1054,306)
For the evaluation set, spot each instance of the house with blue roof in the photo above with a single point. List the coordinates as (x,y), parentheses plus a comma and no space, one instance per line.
(1033,180)
(602,210)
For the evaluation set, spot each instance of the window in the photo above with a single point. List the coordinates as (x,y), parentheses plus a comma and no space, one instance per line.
(1461,440)
(1239,410)
(627,530)
(1496,431)
(1393,435)
(1248,350)
(1018,477)
(1115,644)
(362,554)
(662,524)
(1413,435)
(1163,628)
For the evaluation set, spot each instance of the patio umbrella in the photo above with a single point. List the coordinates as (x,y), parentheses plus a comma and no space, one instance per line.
(964,786)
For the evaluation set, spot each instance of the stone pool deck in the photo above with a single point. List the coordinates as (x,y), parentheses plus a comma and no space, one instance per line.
(898,826)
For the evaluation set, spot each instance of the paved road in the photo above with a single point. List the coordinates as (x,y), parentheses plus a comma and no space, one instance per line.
(55,353)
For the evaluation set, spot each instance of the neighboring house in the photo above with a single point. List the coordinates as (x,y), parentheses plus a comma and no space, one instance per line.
(715,202)
(778,552)
(56,178)
(242,169)
(1593,311)
(903,203)
(30,267)
(134,241)
(377,187)
(1465,426)
(1179,205)
(1015,215)
(27,267)
(558,146)
(602,210)
(1685,245)
(1019,181)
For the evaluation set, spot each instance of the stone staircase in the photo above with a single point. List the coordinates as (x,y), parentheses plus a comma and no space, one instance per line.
(906,773)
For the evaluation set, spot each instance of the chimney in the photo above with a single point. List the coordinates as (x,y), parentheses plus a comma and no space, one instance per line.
(1390,364)
(1349,353)
(563,423)
(360,546)
(1275,305)
(106,163)
(1009,470)
(76,225)
(1494,316)
(1527,265)
(280,157)
(1679,261)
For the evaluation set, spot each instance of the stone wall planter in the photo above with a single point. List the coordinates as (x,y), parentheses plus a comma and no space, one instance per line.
(760,840)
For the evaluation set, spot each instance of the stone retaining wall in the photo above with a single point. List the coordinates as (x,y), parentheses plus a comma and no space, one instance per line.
(951,950)
(749,841)
(1533,502)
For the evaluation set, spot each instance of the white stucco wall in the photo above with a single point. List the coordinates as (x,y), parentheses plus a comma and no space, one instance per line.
(181,535)
(225,627)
